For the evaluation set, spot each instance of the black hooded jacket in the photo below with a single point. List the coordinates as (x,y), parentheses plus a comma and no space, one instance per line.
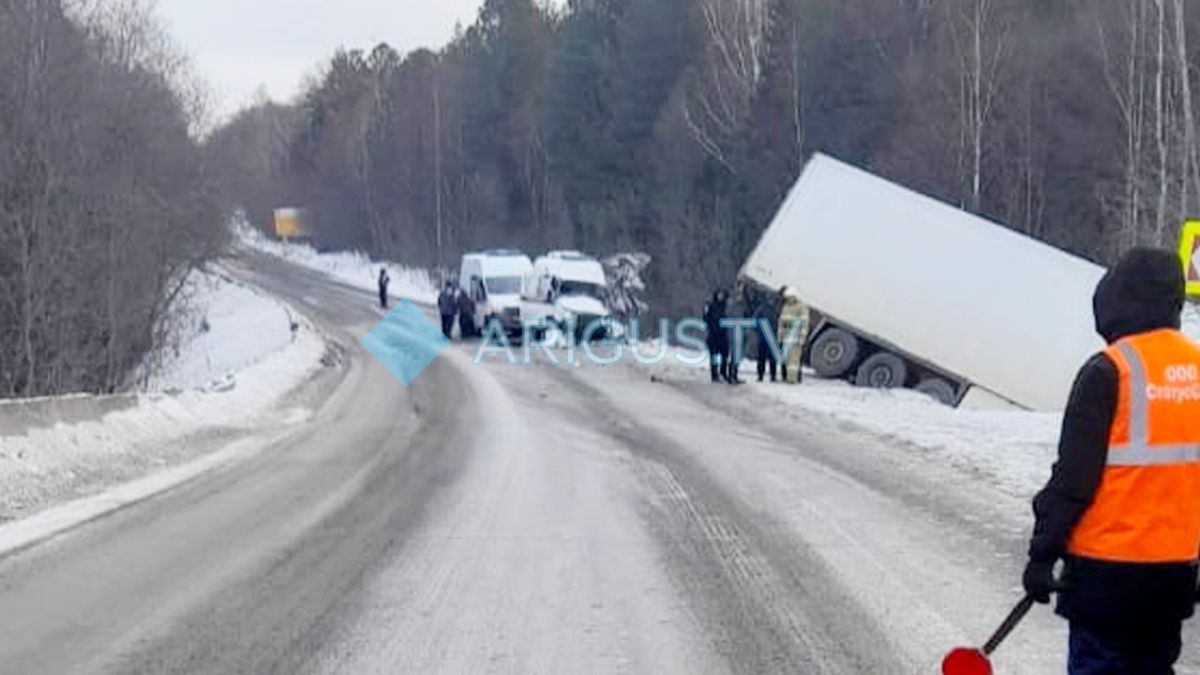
(715,312)
(1144,292)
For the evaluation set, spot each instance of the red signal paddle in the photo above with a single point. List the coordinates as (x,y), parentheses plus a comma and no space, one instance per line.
(971,661)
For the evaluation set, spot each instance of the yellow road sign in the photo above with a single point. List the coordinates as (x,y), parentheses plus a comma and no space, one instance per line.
(1189,251)
(289,223)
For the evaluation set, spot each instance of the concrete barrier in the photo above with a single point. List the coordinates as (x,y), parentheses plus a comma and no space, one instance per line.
(18,418)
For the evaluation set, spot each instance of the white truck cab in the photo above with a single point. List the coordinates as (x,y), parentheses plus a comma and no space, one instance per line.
(567,287)
(494,279)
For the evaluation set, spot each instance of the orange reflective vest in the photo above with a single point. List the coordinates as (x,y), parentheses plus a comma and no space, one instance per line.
(1147,509)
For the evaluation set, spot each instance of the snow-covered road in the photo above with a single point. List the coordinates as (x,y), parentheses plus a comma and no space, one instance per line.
(532,519)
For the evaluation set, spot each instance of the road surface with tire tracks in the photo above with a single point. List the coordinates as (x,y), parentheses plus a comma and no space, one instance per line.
(528,519)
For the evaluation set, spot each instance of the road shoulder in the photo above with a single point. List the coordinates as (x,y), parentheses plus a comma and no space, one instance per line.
(67,461)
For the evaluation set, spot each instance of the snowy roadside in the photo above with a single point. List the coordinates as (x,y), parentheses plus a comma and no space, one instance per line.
(239,354)
(1011,450)
(350,268)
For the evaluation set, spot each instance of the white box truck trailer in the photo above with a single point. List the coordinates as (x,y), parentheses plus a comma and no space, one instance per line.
(908,291)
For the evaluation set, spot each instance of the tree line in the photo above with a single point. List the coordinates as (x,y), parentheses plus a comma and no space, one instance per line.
(675,127)
(105,198)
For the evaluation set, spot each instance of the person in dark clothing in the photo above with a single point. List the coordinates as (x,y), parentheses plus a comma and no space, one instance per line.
(448,307)
(718,342)
(466,314)
(766,317)
(740,307)
(1125,617)
(727,372)
(384,280)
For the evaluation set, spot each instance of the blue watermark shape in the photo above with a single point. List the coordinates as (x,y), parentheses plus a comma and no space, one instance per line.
(406,342)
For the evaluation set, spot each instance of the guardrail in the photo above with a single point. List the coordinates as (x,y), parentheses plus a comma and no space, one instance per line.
(19,417)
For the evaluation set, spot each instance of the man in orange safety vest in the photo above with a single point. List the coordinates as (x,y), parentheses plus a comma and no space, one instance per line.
(1122,507)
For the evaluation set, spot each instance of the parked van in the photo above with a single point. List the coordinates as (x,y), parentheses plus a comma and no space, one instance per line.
(566,287)
(494,279)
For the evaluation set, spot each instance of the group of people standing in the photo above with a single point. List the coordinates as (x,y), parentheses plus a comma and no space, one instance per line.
(455,303)
(776,341)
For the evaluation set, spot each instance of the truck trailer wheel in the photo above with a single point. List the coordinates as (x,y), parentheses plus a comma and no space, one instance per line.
(939,390)
(834,353)
(882,370)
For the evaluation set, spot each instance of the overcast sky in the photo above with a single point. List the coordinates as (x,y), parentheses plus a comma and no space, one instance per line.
(240,45)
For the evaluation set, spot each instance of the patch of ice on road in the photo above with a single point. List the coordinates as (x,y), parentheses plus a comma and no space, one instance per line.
(349,267)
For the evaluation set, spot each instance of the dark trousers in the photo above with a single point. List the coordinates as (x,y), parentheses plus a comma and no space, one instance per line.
(718,352)
(765,361)
(1135,651)
(717,365)
(383,298)
(466,324)
(448,325)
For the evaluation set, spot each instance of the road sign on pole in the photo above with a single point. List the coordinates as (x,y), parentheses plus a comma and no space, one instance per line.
(1189,251)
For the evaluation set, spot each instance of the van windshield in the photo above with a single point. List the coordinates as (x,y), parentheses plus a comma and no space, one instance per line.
(577,288)
(503,285)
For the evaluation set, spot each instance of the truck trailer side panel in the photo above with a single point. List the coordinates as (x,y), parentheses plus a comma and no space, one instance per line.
(998,309)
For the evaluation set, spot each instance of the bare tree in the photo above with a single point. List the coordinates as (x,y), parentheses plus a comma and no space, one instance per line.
(1146,63)
(1190,155)
(980,34)
(729,74)
(1126,82)
(103,200)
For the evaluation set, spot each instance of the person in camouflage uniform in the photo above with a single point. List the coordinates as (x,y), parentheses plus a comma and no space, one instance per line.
(792,311)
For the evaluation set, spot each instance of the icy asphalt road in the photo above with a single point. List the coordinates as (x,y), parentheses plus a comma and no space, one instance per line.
(494,519)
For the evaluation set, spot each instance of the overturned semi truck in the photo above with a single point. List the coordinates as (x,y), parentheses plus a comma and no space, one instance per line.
(910,292)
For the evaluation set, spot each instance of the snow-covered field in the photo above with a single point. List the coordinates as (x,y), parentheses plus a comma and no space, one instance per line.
(238,353)
(351,268)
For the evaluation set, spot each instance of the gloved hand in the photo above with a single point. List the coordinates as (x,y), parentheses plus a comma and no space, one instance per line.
(1039,580)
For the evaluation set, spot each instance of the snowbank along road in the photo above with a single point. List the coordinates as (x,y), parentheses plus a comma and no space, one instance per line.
(533,519)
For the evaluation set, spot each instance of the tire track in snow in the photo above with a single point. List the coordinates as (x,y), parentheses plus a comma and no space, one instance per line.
(769,604)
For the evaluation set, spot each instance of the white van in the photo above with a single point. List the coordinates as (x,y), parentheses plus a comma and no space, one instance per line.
(566,286)
(494,279)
